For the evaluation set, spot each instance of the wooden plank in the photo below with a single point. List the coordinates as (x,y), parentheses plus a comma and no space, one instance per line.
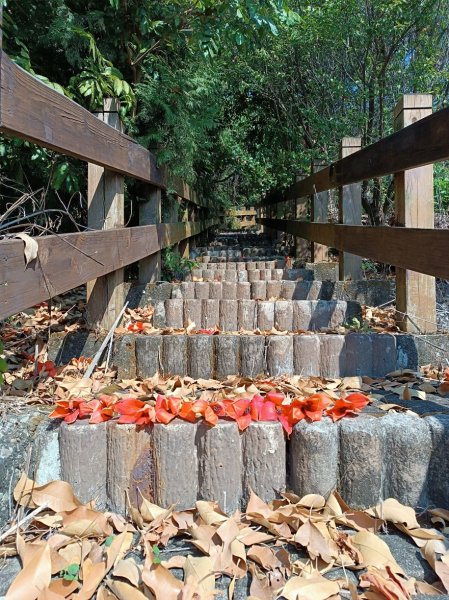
(31,110)
(303,251)
(422,143)
(350,213)
(184,245)
(150,214)
(105,210)
(319,213)
(67,261)
(421,250)
(415,292)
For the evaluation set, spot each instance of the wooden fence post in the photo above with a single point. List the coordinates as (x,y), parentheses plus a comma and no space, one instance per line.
(350,213)
(415,292)
(150,214)
(106,210)
(184,246)
(319,212)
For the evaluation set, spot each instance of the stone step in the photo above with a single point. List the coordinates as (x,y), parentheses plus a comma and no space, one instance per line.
(259,271)
(238,258)
(241,265)
(219,356)
(241,275)
(233,254)
(249,315)
(368,458)
(371,293)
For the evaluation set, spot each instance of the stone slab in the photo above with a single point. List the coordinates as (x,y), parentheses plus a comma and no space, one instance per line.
(264,460)
(200,356)
(313,458)
(148,355)
(219,464)
(79,445)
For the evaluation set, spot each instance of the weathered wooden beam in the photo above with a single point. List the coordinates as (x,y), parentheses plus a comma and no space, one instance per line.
(422,143)
(150,214)
(350,213)
(67,261)
(399,246)
(319,213)
(105,210)
(31,110)
(413,202)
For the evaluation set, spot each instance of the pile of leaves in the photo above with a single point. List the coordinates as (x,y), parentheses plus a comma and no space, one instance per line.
(274,406)
(71,550)
(380,319)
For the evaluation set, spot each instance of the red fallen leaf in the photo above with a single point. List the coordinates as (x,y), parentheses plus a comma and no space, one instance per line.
(174,405)
(192,411)
(163,413)
(213,411)
(276,397)
(138,326)
(48,367)
(287,414)
(314,405)
(135,411)
(208,331)
(446,374)
(240,411)
(70,410)
(262,409)
(357,400)
(102,409)
(342,408)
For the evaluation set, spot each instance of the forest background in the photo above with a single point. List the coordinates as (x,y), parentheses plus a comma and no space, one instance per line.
(237,97)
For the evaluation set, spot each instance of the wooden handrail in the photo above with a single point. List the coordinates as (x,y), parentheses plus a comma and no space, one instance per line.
(425,142)
(421,250)
(33,111)
(67,261)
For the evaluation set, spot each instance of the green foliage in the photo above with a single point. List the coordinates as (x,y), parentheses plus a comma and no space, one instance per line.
(157,559)
(71,573)
(174,267)
(235,96)
(3,364)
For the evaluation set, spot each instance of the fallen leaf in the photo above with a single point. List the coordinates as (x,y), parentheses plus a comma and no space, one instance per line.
(390,585)
(316,543)
(161,582)
(35,575)
(125,591)
(375,551)
(31,247)
(395,512)
(85,522)
(57,495)
(200,571)
(313,588)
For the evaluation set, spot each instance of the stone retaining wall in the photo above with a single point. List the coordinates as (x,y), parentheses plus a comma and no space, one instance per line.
(372,293)
(218,356)
(367,459)
(235,315)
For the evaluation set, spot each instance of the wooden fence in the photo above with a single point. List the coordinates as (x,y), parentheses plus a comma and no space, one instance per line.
(243,218)
(419,252)
(33,111)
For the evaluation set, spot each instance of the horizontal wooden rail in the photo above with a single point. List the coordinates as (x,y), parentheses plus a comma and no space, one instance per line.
(422,143)
(421,250)
(67,261)
(33,111)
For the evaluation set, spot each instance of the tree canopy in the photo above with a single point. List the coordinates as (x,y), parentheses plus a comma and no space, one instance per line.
(236,96)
